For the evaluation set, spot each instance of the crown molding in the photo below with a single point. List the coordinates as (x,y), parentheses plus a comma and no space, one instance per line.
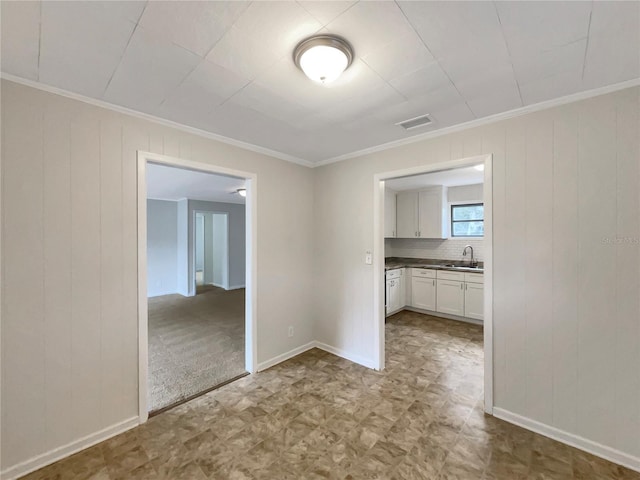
(536,107)
(158,120)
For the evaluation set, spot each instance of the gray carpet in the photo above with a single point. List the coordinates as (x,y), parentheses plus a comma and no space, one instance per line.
(195,343)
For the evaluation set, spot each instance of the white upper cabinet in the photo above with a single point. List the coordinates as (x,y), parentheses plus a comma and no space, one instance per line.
(407,214)
(389,214)
(422,214)
(432,218)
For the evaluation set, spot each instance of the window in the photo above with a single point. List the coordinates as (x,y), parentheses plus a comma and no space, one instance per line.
(467,220)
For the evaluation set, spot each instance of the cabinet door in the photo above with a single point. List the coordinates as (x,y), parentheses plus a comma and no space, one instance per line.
(407,214)
(394,295)
(389,213)
(430,214)
(450,297)
(474,301)
(423,293)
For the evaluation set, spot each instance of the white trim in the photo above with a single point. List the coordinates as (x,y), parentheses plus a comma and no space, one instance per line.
(595,448)
(236,287)
(431,313)
(315,344)
(283,357)
(161,294)
(379,313)
(365,362)
(52,456)
(487,258)
(536,107)
(152,118)
(251,298)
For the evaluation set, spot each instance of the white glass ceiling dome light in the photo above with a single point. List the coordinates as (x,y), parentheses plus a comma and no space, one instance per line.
(323,58)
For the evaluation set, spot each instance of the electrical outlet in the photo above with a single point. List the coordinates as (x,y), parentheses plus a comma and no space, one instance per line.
(290,331)
(368,257)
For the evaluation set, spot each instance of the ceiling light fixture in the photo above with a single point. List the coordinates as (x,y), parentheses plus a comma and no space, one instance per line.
(242,192)
(323,58)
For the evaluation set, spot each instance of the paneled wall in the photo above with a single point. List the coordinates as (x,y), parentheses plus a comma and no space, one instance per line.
(566,300)
(69,263)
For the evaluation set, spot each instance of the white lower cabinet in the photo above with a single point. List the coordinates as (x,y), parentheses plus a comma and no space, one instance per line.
(474,301)
(450,297)
(454,293)
(423,289)
(395,290)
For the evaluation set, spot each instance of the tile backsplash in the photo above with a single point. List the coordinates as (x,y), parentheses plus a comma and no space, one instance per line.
(447,249)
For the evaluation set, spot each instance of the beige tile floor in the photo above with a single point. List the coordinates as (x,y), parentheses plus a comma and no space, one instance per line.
(321,417)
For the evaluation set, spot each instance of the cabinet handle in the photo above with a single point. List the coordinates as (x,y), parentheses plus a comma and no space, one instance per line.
(466,287)
(419,233)
(460,286)
(434,283)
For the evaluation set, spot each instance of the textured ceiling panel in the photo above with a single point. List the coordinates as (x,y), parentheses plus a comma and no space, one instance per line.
(227,68)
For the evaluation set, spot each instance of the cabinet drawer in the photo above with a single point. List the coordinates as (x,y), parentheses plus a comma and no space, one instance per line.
(474,277)
(447,275)
(423,273)
(395,273)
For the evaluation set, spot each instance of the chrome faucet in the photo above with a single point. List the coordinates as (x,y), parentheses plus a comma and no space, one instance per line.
(473,262)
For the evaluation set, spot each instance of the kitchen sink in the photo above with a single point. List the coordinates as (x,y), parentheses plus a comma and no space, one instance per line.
(462,267)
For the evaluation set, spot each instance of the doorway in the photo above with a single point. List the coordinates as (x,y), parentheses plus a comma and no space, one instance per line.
(239,302)
(211,237)
(380,283)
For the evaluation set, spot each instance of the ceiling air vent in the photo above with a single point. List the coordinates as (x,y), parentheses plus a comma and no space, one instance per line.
(416,122)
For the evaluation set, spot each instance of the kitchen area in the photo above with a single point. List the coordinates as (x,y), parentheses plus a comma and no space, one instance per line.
(434,229)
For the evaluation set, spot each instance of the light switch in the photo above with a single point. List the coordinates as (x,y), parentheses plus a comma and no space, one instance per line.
(368,257)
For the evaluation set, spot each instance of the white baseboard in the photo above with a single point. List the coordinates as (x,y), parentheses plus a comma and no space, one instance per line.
(285,356)
(595,448)
(162,293)
(365,362)
(322,346)
(59,453)
(442,315)
(236,287)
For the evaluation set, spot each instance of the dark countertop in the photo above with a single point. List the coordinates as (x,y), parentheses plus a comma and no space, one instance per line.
(453,265)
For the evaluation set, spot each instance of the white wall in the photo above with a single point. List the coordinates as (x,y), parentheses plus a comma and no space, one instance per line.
(566,292)
(465,193)
(219,243)
(200,242)
(183,279)
(439,249)
(70,340)
(162,247)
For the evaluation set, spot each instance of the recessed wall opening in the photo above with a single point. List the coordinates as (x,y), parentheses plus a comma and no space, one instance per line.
(194,310)
(433,276)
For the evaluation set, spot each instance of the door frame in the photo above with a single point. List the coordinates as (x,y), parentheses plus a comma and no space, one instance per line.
(225,283)
(251,297)
(378,255)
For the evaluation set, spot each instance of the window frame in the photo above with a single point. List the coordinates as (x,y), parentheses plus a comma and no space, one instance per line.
(452,221)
